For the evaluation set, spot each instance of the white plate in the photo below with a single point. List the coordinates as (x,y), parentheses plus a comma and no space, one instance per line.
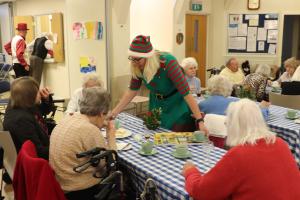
(297,121)
(120,133)
(121,145)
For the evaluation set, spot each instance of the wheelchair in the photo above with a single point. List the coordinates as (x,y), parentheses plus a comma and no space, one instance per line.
(111,186)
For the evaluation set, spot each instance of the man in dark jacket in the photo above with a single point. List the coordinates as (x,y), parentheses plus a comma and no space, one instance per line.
(42,46)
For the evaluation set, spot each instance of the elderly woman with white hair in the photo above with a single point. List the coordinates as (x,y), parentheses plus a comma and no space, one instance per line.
(89,80)
(293,87)
(220,88)
(190,67)
(258,166)
(78,133)
(42,46)
(258,81)
(290,66)
(169,90)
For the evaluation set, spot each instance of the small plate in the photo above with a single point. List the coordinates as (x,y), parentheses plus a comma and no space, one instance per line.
(154,151)
(120,133)
(121,145)
(297,121)
(188,155)
(296,117)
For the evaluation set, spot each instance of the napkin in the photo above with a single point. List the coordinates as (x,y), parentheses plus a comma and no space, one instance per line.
(216,125)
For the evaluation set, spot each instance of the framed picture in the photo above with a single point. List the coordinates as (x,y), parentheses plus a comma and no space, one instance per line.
(253,4)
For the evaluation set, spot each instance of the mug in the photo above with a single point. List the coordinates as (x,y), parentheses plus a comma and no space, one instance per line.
(147,147)
(199,136)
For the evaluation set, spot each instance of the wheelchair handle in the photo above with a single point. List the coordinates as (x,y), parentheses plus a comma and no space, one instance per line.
(91,152)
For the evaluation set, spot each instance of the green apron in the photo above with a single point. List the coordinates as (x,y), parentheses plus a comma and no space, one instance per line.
(174,108)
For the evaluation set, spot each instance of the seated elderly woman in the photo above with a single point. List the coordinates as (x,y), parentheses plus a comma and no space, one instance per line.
(23,116)
(293,87)
(258,81)
(78,133)
(258,166)
(290,66)
(190,67)
(89,80)
(220,89)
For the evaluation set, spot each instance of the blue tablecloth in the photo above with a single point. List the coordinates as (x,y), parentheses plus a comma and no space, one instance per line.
(163,168)
(286,129)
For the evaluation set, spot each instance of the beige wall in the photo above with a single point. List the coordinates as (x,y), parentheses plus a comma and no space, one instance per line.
(153,18)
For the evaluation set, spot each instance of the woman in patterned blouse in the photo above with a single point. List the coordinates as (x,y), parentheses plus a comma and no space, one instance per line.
(258,80)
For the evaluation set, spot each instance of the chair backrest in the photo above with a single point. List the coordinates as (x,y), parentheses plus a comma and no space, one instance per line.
(33,178)
(10,153)
(216,125)
(288,101)
(4,86)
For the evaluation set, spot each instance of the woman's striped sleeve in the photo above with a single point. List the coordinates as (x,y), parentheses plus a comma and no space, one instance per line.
(135,84)
(175,73)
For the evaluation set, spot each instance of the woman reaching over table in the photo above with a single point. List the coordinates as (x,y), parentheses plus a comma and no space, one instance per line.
(258,166)
(169,90)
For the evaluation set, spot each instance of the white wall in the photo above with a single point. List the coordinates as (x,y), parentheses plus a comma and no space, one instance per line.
(5,22)
(153,18)
(55,75)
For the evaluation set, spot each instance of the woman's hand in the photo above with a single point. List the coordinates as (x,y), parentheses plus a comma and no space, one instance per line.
(202,127)
(110,129)
(187,166)
(45,92)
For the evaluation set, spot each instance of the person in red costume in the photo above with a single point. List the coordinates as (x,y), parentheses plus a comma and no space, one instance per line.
(259,165)
(16,48)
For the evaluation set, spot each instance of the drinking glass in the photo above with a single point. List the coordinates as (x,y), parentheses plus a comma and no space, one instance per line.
(207,146)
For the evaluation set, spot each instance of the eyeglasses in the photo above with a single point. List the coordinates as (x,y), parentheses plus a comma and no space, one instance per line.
(134,59)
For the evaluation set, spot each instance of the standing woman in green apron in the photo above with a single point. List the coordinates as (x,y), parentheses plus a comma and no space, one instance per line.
(169,90)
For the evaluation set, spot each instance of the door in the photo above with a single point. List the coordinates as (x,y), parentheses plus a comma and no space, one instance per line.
(195,43)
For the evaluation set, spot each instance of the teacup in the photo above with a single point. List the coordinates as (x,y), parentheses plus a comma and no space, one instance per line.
(291,113)
(147,147)
(181,149)
(199,136)
(117,124)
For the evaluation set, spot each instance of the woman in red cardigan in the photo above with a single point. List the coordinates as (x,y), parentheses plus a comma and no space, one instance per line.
(258,166)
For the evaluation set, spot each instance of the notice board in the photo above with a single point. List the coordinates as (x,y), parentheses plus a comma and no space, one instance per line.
(252,33)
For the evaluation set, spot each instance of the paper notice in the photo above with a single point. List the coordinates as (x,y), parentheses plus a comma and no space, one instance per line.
(261,34)
(235,19)
(237,43)
(271,24)
(261,46)
(272,49)
(253,22)
(232,31)
(272,36)
(242,30)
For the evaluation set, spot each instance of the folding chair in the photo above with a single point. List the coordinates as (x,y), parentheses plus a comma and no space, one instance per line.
(4,72)
(10,152)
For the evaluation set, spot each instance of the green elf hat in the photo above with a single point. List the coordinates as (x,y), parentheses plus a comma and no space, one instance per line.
(141,47)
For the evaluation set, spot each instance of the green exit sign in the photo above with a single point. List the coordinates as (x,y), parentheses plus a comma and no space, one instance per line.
(196,7)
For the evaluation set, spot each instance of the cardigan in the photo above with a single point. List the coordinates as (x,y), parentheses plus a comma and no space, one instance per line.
(27,124)
(246,172)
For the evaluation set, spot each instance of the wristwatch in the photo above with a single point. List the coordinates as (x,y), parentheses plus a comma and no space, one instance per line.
(199,120)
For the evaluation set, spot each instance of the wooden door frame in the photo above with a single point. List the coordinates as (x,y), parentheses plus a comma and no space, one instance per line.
(206,42)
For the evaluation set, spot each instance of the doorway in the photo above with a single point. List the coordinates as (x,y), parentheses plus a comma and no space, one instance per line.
(195,43)
(291,37)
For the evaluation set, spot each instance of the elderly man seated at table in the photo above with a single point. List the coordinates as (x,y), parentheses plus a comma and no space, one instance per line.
(78,133)
(293,87)
(258,81)
(89,80)
(233,72)
(258,166)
